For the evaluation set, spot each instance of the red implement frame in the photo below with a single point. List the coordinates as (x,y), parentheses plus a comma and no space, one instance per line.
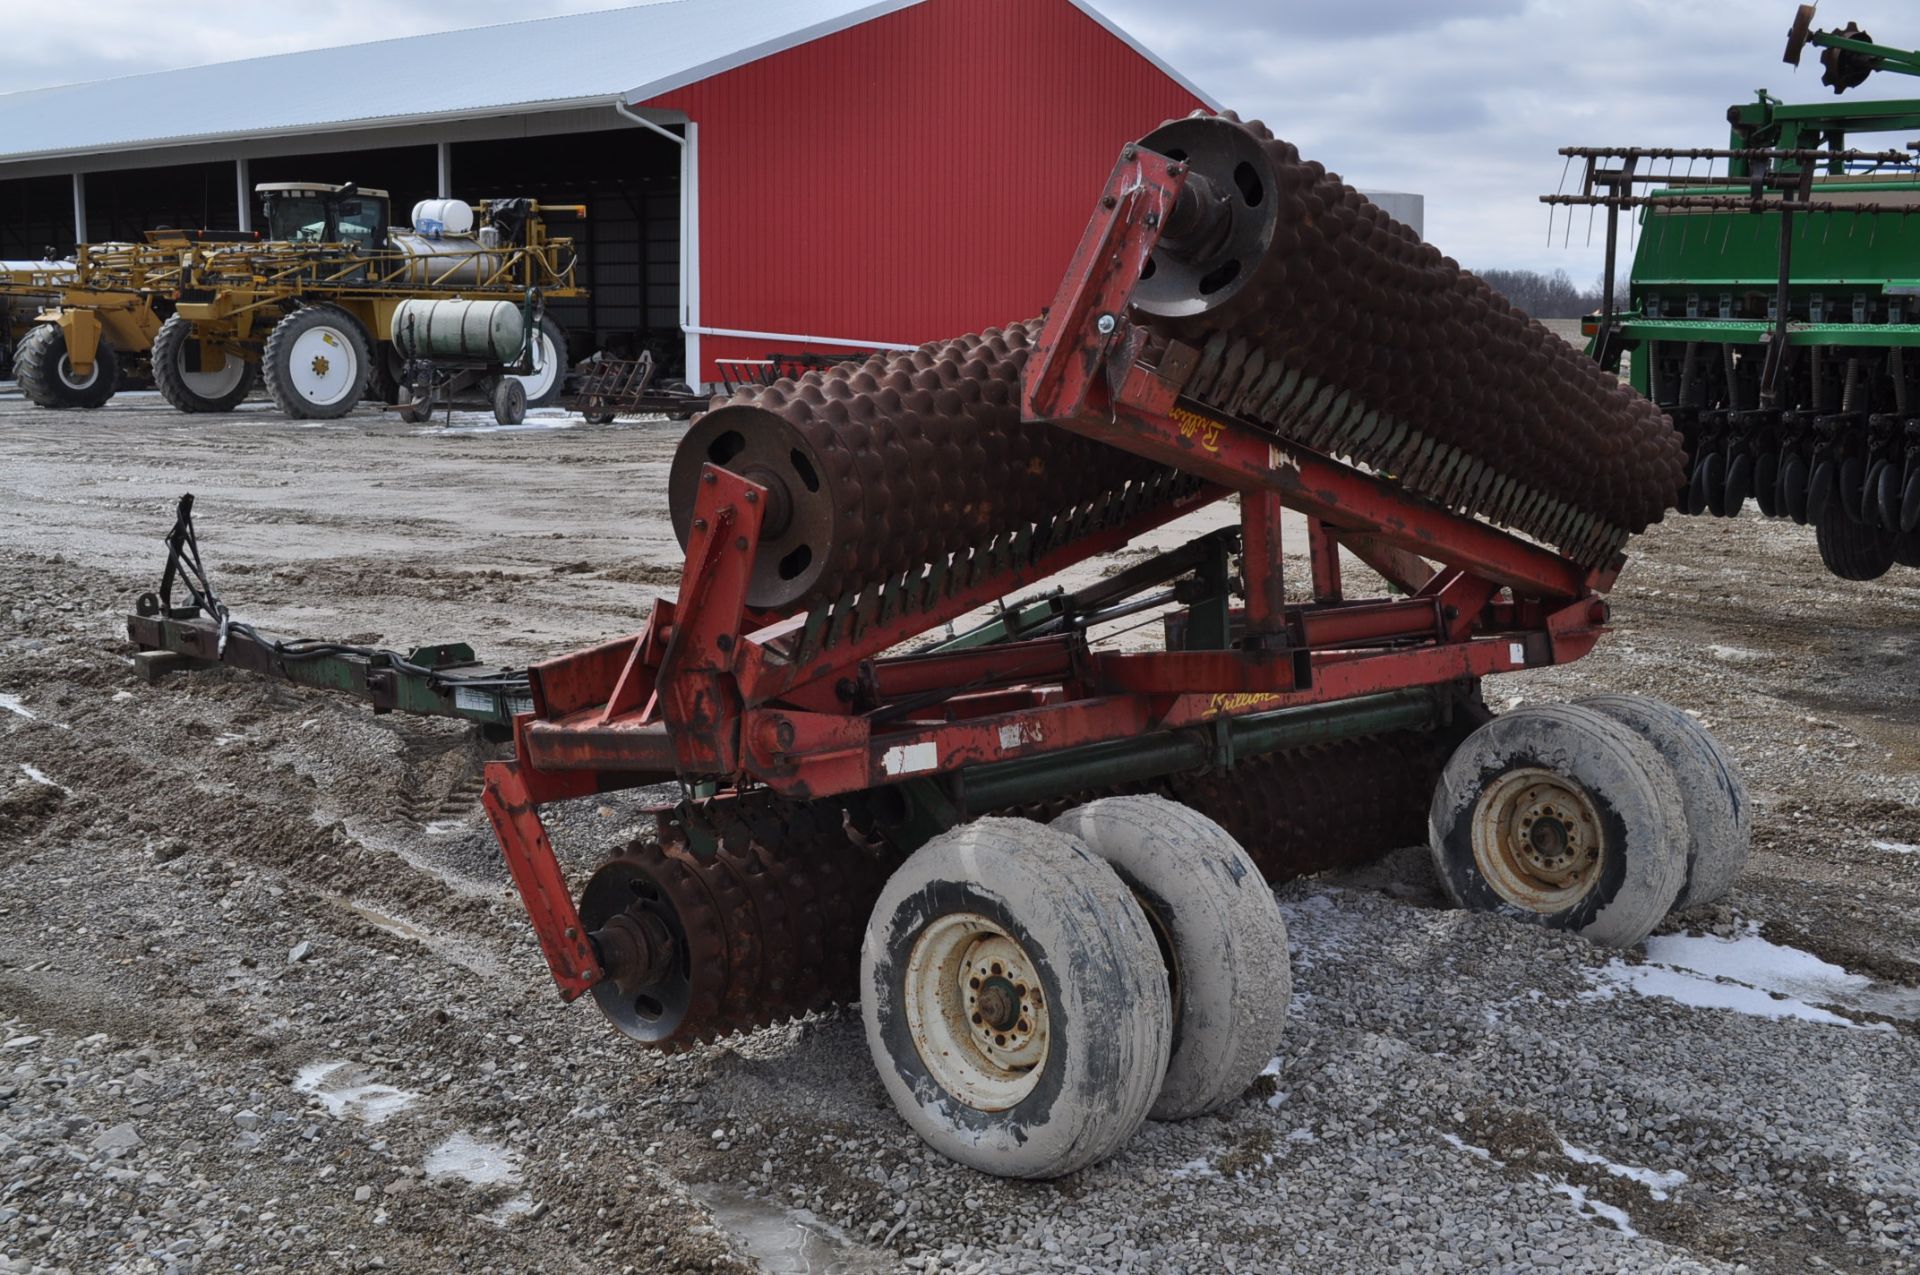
(711,691)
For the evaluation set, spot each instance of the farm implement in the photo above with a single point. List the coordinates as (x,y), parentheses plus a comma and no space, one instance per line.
(309,309)
(1032,843)
(1774,306)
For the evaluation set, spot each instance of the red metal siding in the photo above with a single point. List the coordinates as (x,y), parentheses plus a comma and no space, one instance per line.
(921,175)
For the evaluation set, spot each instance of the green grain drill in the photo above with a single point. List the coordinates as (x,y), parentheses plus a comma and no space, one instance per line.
(1774,306)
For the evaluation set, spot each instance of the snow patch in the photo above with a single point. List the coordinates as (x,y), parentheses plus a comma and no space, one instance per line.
(1453,1140)
(1896,847)
(538,418)
(1749,975)
(1588,1207)
(39,776)
(474,1162)
(349,1092)
(12,704)
(1659,1182)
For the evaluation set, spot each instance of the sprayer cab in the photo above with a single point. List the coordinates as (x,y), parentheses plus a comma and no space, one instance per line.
(315,212)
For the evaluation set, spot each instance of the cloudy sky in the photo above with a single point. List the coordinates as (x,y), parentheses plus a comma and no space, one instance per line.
(1465,101)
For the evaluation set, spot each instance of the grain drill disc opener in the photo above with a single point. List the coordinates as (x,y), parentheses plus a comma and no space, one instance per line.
(1235,324)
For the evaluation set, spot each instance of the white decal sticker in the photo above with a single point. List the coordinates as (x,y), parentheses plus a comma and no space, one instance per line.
(905,759)
(1517,652)
(1018,733)
(518,704)
(468,700)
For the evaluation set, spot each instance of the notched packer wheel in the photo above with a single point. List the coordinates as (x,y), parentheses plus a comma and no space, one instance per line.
(1560,816)
(1015,1000)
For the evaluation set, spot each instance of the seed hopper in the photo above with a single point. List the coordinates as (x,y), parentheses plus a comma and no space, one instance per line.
(916,778)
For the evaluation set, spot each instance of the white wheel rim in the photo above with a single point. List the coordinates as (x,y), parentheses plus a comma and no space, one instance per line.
(1537,839)
(211,384)
(976,1012)
(72,381)
(540,380)
(323,365)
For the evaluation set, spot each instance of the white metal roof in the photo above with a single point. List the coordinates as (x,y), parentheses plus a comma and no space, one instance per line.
(541,64)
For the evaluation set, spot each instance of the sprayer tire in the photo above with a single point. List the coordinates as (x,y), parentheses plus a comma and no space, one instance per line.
(47,378)
(317,364)
(194,391)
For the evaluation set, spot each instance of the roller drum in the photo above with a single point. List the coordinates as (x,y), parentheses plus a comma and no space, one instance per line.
(873,468)
(1320,316)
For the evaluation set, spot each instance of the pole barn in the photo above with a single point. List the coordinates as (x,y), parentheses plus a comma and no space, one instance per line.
(759,175)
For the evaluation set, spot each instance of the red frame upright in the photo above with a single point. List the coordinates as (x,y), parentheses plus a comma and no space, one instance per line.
(712,691)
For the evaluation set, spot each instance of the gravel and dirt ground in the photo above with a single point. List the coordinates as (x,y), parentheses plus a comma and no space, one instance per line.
(268,1004)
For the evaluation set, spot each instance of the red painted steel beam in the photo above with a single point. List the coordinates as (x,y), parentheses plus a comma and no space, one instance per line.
(1263,563)
(511,806)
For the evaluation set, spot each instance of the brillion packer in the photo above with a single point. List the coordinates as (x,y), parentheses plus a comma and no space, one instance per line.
(1035,855)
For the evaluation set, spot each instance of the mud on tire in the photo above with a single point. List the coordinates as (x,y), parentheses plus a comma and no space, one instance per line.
(1719,815)
(1559,816)
(1215,917)
(1014,998)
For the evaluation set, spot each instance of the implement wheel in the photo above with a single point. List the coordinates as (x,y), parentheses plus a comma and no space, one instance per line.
(317,363)
(1220,934)
(1015,1001)
(1853,550)
(1558,815)
(1719,816)
(47,377)
(183,379)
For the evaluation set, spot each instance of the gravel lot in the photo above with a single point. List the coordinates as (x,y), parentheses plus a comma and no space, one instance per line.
(267,1002)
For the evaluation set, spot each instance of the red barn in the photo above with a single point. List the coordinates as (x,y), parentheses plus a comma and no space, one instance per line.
(759,174)
(924,173)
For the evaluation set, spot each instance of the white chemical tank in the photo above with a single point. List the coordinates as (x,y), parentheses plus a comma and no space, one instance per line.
(436,217)
(1403,206)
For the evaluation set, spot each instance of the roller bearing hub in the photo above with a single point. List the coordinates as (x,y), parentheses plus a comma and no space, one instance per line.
(1537,839)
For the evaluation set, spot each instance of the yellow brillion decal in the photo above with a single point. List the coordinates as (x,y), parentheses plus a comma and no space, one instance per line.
(1194,425)
(1237,702)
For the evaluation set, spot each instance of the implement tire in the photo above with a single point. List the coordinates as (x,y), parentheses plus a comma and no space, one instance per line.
(1719,815)
(1853,550)
(1220,931)
(184,384)
(1559,816)
(46,376)
(317,363)
(1015,1001)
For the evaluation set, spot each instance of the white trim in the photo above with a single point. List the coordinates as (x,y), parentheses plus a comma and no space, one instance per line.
(243,193)
(506,109)
(690,251)
(807,340)
(1114,30)
(80,208)
(767,48)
